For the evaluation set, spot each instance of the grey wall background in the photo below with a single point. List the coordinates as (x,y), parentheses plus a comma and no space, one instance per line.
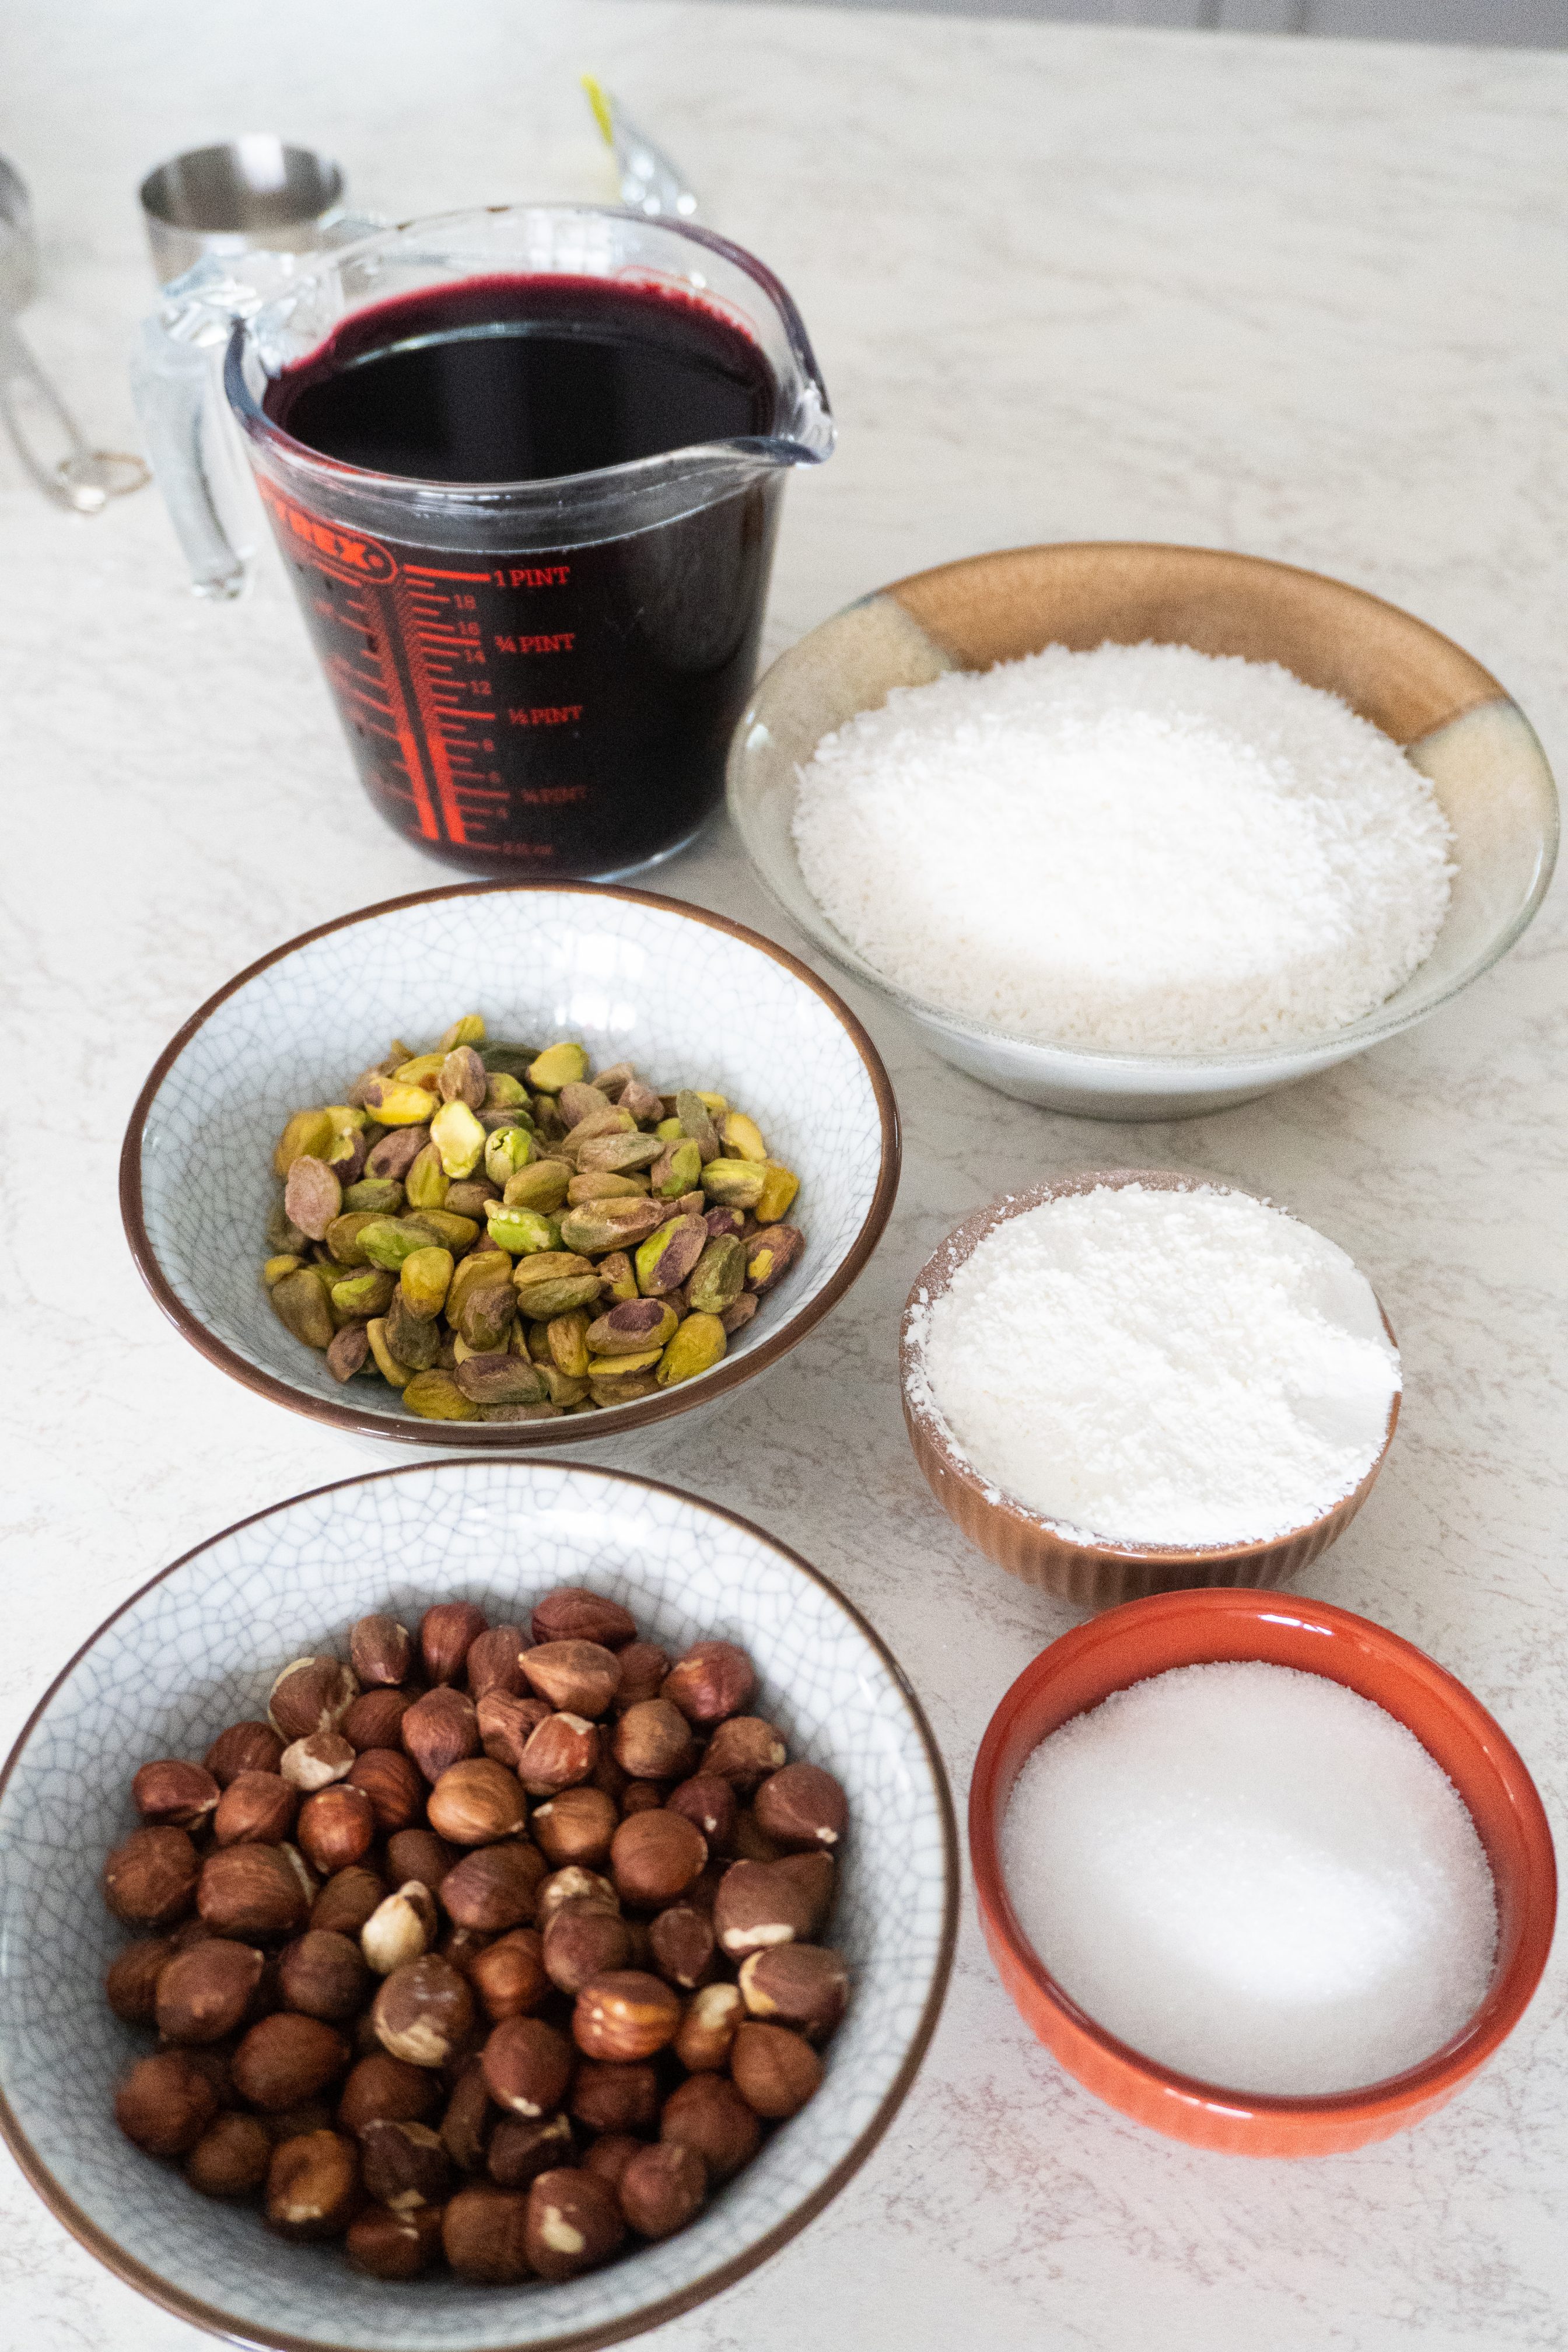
(1513,23)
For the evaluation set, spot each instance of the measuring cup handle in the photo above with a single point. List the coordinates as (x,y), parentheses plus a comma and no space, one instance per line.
(170,382)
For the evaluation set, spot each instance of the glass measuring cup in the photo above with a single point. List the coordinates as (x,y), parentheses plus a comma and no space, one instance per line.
(534,676)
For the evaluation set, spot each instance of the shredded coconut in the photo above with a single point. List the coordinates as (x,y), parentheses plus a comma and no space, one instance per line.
(1255,1876)
(1142,849)
(1137,1366)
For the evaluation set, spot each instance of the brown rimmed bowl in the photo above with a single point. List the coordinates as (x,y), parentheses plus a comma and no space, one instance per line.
(1451,718)
(689,997)
(1092,1575)
(197,1648)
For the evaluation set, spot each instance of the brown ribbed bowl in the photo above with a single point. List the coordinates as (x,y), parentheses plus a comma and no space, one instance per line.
(1092,1575)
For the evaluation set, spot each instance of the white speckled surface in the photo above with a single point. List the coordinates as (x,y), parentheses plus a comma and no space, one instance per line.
(1303,298)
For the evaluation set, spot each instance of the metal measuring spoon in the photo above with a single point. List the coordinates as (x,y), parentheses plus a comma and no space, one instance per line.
(83,480)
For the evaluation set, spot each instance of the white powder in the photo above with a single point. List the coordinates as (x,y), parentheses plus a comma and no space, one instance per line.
(1150,1367)
(1254,1876)
(1142,849)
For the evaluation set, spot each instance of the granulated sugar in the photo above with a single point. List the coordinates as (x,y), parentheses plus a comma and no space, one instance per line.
(1254,1876)
(1142,848)
(1161,1367)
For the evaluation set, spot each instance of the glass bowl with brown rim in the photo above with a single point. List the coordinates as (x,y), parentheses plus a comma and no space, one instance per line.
(1094,1573)
(689,997)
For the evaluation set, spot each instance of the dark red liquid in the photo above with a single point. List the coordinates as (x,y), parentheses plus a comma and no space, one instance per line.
(564,709)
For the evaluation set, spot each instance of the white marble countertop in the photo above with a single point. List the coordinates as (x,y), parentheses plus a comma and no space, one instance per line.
(1303,298)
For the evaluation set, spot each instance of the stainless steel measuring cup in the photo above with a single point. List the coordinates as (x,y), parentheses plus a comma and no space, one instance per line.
(42,428)
(254,192)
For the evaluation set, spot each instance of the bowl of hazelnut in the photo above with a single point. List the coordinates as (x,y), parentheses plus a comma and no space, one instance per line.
(485,1904)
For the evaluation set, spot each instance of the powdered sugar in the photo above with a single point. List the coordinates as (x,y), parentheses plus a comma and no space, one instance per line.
(1143,849)
(1142,1366)
(1255,1876)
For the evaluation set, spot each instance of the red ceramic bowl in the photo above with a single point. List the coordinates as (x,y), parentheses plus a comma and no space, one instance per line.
(1185,1628)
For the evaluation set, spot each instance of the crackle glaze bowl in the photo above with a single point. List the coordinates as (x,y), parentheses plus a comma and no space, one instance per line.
(197,1648)
(1189,1628)
(1059,1559)
(1455,723)
(689,996)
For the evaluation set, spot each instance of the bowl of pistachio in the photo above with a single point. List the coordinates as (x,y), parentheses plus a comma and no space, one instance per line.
(466,1165)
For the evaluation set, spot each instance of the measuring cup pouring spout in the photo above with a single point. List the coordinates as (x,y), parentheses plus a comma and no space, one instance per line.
(539,672)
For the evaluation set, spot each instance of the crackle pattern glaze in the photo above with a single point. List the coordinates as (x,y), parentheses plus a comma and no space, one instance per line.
(199,1649)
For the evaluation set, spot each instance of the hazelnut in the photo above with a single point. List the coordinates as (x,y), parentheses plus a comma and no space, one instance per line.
(469,2117)
(527,2066)
(653,1742)
(231,2157)
(394,2245)
(381,1651)
(714,1679)
(256,1808)
(773,2070)
(462,1947)
(323,1974)
(382,2088)
(576,1826)
(132,1984)
(293,2123)
(574,2223)
(625,2013)
(509,1975)
(609,2156)
(150,1878)
(439,1730)
(744,1750)
(375,1719)
(317,1762)
(287,2058)
(707,2114)
(573,1614)
(711,1804)
(483,2232)
(495,1887)
(251,1890)
(165,2102)
(753,1842)
(802,1807)
(312,2185)
(494,1661)
(681,1944)
(476,1803)
(608,1777)
(204,1993)
(404,2165)
(608,2096)
(394,1789)
(311,1694)
(579,1677)
(424,2011)
(520,2151)
(708,2027)
(347,1900)
(582,1940)
(655,1856)
(643,1666)
(506,1724)
(559,1753)
(243,1748)
(815,1875)
(641,1797)
(447,1633)
(662,2188)
(802,1985)
(399,1930)
(172,1795)
(573,1885)
(757,1908)
(421,1854)
(336,1827)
